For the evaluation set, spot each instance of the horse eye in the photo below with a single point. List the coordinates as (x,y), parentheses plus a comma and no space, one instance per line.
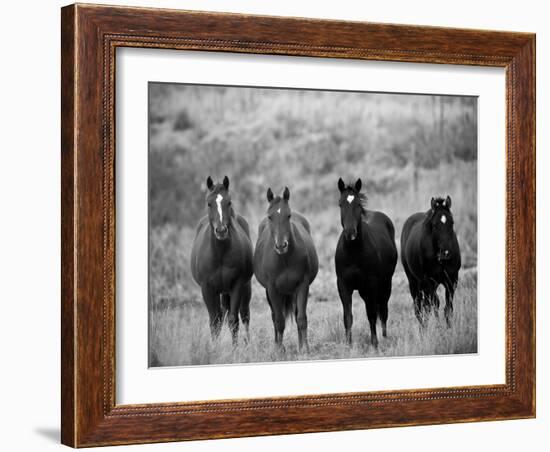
(288,215)
(209,204)
(229,203)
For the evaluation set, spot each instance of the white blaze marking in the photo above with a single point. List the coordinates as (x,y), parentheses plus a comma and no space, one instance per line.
(350,198)
(219,200)
(279,210)
(443,219)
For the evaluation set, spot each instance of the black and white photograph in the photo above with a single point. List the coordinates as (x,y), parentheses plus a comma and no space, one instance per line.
(296,224)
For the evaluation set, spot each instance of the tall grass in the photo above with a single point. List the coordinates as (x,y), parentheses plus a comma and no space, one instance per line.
(180,333)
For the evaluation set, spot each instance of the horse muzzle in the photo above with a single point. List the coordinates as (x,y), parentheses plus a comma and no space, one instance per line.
(221,232)
(443,255)
(281,248)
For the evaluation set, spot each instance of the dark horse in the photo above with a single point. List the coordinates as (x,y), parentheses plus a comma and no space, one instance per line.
(221,261)
(431,256)
(365,258)
(285,263)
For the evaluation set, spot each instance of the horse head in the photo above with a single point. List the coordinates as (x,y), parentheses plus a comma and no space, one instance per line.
(440,222)
(351,207)
(278,215)
(218,201)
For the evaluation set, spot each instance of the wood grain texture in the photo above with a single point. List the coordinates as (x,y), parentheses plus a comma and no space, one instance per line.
(90,36)
(68,147)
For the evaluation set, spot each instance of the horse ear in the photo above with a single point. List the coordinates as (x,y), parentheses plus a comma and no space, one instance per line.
(226,182)
(448,202)
(341,185)
(433,203)
(358,185)
(209,183)
(286,194)
(269,195)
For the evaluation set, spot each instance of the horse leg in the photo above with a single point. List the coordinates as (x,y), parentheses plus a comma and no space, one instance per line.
(234,305)
(272,310)
(419,308)
(346,297)
(416,295)
(301,316)
(427,303)
(245,309)
(372,314)
(383,308)
(428,294)
(224,305)
(276,302)
(435,302)
(270,307)
(450,288)
(212,301)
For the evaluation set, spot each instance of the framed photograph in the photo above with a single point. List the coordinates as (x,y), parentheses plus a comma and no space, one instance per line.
(281,225)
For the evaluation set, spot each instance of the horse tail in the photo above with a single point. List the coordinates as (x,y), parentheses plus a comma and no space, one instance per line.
(290,308)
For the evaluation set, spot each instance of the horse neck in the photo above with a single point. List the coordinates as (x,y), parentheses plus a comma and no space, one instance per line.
(428,233)
(363,237)
(292,239)
(364,233)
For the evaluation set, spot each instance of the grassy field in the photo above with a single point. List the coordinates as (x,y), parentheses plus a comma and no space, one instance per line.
(180,334)
(406,149)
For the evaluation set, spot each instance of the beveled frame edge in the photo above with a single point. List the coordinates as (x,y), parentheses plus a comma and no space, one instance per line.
(90,35)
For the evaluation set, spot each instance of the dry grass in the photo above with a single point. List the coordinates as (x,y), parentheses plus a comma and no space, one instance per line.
(180,333)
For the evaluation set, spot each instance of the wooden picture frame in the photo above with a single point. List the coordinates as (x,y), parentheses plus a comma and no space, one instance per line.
(90,35)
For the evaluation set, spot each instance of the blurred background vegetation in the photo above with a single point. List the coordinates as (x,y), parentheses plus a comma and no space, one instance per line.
(405,148)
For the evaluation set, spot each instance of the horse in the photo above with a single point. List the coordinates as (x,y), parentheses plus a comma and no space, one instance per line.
(285,264)
(431,256)
(365,258)
(221,261)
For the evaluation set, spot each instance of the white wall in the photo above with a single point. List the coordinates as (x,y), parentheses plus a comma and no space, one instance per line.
(29,223)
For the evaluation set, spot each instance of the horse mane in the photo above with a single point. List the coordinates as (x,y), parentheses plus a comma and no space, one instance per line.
(217,188)
(361,196)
